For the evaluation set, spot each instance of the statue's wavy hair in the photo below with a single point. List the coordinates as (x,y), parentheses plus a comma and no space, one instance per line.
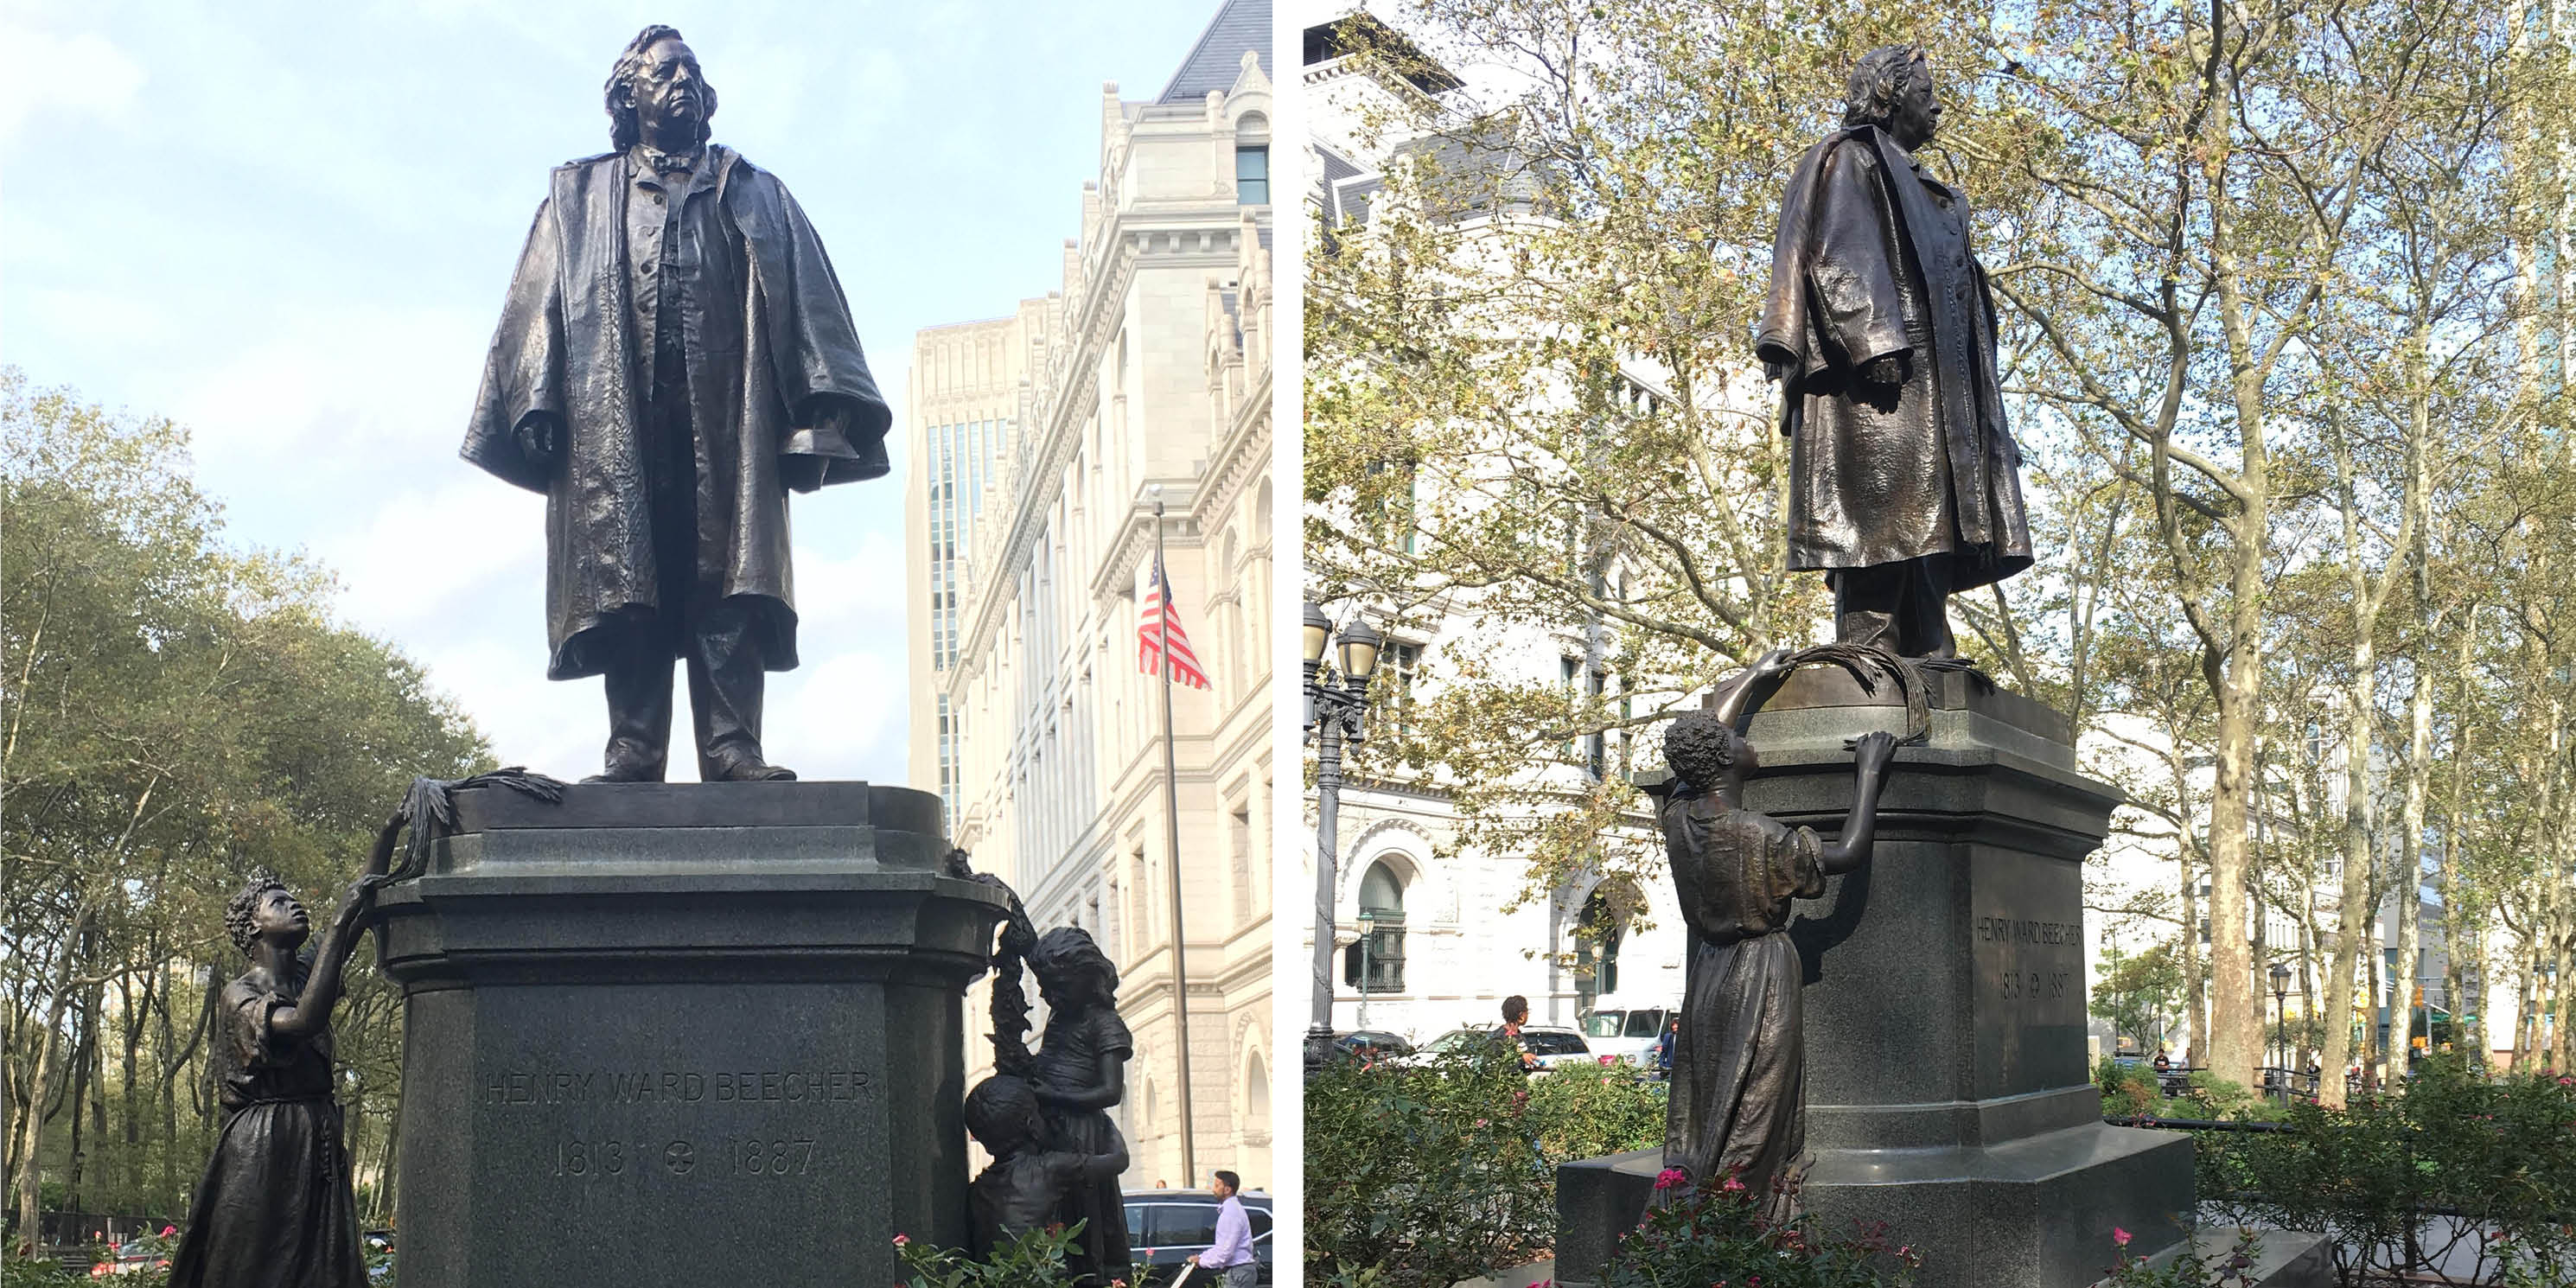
(1068,950)
(623,129)
(1869,98)
(1699,748)
(245,902)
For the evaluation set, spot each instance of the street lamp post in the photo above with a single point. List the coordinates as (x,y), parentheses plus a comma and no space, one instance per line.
(1333,715)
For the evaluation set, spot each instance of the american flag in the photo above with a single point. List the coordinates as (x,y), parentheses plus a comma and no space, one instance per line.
(1149,632)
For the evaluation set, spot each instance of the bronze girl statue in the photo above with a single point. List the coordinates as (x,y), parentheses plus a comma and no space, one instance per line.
(277,1207)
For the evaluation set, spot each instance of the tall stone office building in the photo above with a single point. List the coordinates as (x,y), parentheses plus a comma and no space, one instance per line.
(1038,441)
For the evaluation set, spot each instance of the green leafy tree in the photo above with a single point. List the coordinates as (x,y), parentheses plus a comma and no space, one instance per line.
(179,713)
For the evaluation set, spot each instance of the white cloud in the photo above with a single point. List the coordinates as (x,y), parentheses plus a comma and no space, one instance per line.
(444,558)
(839,717)
(79,74)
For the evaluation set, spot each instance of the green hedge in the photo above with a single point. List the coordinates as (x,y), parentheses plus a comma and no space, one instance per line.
(1421,1177)
(2457,1160)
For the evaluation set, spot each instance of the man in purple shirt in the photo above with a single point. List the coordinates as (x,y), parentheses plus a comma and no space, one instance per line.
(1231,1254)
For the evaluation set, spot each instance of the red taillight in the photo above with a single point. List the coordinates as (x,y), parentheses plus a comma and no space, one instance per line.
(102,1270)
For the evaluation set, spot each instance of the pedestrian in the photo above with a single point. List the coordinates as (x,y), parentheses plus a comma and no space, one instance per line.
(2163,1065)
(1516,1014)
(1664,1045)
(1230,1256)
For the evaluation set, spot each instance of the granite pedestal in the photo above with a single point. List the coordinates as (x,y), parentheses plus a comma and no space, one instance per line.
(682,1034)
(1947,1085)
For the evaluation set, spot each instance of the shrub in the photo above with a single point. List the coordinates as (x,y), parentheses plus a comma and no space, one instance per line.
(1585,1111)
(2462,1161)
(1720,1236)
(1424,1176)
(2127,1089)
(2189,1270)
(1031,1260)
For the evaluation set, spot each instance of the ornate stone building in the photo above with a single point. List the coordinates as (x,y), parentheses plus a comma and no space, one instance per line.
(1040,444)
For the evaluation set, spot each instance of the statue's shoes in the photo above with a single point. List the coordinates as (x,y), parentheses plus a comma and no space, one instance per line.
(626,773)
(753,770)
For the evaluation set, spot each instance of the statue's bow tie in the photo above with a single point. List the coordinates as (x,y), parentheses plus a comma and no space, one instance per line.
(666,163)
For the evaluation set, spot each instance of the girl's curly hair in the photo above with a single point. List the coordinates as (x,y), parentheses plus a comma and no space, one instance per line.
(237,914)
(1068,950)
(1700,748)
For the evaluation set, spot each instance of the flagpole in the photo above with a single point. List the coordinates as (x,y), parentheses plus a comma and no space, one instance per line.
(1172,829)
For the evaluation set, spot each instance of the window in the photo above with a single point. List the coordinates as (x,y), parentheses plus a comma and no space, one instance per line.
(1401,662)
(1375,962)
(1252,176)
(1183,1225)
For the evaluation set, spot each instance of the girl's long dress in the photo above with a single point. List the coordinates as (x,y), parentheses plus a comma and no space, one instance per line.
(276,1208)
(1739,1064)
(1069,1055)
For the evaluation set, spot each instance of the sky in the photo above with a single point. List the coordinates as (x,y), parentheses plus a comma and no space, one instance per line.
(289,227)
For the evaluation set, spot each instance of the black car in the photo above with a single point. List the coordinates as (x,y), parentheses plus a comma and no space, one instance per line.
(1164,1227)
(1386,1044)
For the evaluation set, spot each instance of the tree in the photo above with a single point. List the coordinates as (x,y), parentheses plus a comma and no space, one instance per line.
(179,714)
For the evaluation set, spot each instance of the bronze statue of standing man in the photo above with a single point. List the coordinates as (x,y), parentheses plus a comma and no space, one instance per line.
(675,354)
(1904,483)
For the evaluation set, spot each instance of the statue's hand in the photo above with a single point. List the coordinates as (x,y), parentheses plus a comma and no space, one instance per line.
(360,898)
(1775,662)
(540,440)
(1873,751)
(1885,369)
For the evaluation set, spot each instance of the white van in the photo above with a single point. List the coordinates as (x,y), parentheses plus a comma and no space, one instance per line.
(1628,1027)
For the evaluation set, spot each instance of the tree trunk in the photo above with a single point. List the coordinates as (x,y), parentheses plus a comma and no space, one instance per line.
(27,1180)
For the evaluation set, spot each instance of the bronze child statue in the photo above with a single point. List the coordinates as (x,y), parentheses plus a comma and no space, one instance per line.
(1904,483)
(277,1207)
(1026,1184)
(1737,1107)
(1079,1073)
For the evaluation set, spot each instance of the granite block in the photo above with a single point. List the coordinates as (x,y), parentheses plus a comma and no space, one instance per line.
(663,1033)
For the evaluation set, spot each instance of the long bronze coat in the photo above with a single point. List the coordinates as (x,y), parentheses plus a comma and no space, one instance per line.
(1873,259)
(779,395)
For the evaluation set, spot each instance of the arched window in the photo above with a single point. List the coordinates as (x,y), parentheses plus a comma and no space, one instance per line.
(1256,1092)
(1375,962)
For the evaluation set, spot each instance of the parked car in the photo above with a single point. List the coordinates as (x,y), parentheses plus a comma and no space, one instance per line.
(1628,1028)
(1388,1044)
(1557,1046)
(132,1258)
(1165,1227)
(1554,1044)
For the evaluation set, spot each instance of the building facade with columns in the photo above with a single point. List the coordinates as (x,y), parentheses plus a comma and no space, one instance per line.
(1042,444)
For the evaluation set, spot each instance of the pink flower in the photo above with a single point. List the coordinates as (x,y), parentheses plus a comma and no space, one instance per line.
(1670,1177)
(1480,1122)
(1732,1185)
(168,1230)
(900,1240)
(2120,1236)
